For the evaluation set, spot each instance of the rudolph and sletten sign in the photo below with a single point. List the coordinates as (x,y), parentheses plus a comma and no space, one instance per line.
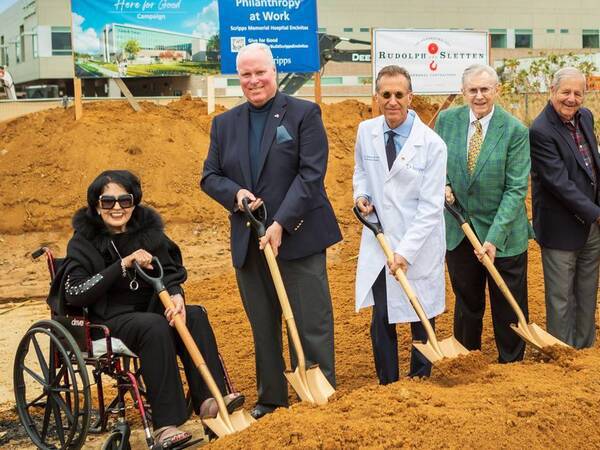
(435,59)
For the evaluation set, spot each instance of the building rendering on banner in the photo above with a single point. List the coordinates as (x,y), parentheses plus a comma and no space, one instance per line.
(154,44)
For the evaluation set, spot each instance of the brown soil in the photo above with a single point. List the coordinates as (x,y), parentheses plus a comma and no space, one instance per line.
(46,162)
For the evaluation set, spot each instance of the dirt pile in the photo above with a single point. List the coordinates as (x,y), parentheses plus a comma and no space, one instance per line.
(46,162)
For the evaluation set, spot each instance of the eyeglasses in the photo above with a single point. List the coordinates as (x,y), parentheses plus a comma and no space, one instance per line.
(472,92)
(387,95)
(109,201)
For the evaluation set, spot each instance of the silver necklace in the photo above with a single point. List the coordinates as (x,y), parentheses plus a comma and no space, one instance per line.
(133,283)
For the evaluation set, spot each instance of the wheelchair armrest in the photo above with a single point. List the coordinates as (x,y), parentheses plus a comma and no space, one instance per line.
(106,334)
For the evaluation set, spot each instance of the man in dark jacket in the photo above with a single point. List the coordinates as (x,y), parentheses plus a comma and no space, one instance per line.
(566,211)
(273,150)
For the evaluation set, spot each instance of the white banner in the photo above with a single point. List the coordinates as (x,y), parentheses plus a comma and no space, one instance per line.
(435,59)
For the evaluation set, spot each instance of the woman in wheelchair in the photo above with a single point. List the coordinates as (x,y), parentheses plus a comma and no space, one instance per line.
(112,232)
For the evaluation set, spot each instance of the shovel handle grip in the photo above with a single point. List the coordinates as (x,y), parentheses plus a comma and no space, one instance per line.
(375,227)
(157,281)
(259,225)
(453,210)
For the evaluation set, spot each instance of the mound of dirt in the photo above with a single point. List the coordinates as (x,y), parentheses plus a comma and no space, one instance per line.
(46,162)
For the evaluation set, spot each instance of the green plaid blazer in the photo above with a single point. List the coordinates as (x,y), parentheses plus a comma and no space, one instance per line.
(493,196)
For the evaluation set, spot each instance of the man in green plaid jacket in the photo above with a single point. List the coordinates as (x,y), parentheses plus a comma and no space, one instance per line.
(487,175)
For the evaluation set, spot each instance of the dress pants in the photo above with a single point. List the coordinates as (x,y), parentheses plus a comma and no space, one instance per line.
(385,339)
(306,284)
(571,282)
(468,277)
(157,344)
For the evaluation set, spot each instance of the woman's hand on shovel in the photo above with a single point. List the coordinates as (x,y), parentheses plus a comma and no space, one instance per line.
(178,308)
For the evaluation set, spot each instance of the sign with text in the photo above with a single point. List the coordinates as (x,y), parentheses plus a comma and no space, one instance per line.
(143,38)
(435,59)
(289,27)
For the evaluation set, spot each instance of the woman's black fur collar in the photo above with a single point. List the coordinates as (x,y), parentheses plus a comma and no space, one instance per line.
(144,229)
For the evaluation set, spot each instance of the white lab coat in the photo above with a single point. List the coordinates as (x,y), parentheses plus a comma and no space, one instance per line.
(409,200)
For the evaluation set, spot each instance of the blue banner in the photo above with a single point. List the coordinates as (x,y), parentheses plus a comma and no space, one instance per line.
(289,27)
(144,38)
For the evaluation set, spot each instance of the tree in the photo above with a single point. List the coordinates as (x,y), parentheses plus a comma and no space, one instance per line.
(214,43)
(516,80)
(213,47)
(132,47)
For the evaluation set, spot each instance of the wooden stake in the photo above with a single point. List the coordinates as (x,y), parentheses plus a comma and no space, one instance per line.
(77,98)
(442,107)
(318,94)
(210,94)
(127,93)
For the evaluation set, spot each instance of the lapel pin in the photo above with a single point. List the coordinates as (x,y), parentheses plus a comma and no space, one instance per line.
(276,116)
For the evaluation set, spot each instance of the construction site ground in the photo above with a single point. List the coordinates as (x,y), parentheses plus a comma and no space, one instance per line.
(47,161)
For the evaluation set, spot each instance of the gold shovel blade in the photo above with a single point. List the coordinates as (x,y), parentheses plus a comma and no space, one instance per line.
(536,336)
(319,386)
(316,389)
(240,420)
(449,347)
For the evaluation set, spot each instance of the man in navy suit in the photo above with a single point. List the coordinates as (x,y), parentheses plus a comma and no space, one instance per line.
(566,213)
(273,150)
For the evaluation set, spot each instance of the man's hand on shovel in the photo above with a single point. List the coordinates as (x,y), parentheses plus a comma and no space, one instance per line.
(399,263)
(253,201)
(488,248)
(272,235)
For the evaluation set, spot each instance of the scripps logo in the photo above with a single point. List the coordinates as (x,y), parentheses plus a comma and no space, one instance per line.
(77,322)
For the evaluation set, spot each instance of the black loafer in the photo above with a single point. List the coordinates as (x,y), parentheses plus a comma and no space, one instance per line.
(260,410)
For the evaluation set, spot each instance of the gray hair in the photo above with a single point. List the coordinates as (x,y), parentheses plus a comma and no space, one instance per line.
(566,72)
(252,48)
(476,69)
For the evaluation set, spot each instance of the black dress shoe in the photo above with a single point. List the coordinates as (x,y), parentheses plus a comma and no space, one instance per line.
(260,410)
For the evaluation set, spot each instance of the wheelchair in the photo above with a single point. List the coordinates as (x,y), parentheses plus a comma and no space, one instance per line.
(53,386)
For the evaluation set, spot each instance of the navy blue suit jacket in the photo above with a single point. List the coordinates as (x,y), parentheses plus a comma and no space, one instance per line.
(290,178)
(563,188)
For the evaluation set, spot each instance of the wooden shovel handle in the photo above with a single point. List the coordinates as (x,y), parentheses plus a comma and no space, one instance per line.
(286,309)
(412,297)
(489,265)
(194,352)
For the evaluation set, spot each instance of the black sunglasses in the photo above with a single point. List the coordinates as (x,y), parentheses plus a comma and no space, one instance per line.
(387,95)
(109,201)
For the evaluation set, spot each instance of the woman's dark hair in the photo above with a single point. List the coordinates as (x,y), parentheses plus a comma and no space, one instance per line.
(125,178)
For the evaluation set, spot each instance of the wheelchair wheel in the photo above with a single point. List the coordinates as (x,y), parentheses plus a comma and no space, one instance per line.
(52,389)
(115,441)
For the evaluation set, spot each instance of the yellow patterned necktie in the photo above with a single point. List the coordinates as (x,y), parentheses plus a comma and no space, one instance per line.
(474,147)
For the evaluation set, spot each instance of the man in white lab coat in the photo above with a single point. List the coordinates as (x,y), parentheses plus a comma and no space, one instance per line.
(400,169)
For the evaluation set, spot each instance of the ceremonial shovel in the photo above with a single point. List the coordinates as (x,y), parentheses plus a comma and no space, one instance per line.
(224,423)
(531,333)
(435,351)
(309,383)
